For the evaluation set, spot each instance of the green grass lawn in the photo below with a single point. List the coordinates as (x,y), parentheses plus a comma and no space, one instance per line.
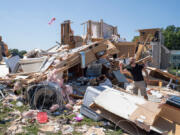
(33,128)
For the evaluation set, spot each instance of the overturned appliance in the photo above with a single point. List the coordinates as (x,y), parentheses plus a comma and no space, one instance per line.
(44,95)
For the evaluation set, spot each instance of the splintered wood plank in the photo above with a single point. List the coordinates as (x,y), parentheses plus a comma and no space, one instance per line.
(162,74)
(141,61)
(139,51)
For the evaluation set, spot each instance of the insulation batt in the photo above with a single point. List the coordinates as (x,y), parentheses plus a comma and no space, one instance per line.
(53,76)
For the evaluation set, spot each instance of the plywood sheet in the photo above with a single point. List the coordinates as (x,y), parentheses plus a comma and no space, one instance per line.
(126,49)
(147,112)
(124,124)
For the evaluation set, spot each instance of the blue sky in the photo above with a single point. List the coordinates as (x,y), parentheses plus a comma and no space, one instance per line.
(24,23)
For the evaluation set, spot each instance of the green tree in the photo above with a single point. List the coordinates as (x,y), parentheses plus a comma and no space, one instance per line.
(21,53)
(15,52)
(172,37)
(135,38)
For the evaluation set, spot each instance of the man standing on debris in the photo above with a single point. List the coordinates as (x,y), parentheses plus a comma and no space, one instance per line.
(136,71)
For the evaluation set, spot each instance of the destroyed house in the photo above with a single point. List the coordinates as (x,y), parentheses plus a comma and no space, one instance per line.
(99,30)
(81,76)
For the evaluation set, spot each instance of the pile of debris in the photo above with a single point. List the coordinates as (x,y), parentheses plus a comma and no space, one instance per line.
(81,76)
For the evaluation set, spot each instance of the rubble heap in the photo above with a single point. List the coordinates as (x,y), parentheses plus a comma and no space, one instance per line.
(56,88)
